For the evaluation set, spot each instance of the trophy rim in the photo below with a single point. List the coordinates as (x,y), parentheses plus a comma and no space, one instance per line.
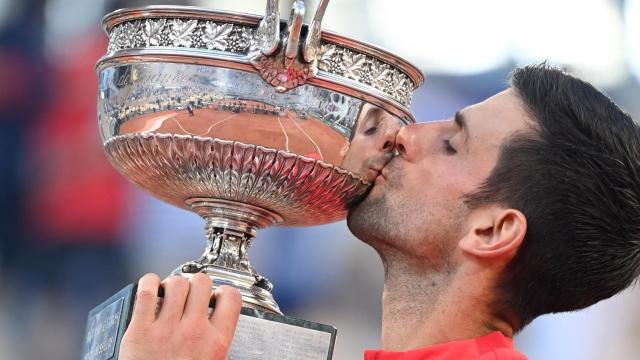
(202,13)
(362,66)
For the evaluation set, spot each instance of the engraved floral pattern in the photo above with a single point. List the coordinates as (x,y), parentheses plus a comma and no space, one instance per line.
(153,32)
(264,33)
(114,39)
(130,33)
(181,33)
(398,82)
(365,73)
(216,36)
(234,38)
(379,74)
(239,40)
(330,60)
(353,64)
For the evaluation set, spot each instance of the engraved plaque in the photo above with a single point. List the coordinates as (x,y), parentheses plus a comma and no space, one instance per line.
(106,325)
(103,325)
(265,336)
(100,342)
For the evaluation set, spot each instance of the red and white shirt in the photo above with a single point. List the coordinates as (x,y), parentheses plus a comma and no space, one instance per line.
(494,346)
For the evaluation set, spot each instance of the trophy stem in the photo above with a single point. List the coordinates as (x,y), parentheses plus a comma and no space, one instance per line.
(230,229)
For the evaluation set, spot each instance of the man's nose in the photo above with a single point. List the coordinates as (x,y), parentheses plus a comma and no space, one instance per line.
(386,141)
(406,141)
(416,139)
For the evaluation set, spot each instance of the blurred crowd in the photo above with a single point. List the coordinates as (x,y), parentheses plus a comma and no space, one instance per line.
(73,231)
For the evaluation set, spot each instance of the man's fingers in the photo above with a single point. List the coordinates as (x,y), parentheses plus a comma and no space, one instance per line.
(176,289)
(227,310)
(144,310)
(199,296)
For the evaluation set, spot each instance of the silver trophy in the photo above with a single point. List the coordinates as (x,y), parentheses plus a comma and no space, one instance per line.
(249,122)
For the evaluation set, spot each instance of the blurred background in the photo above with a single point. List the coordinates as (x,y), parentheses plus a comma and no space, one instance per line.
(73,231)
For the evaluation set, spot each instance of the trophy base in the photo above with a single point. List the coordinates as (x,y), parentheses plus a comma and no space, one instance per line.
(259,335)
(252,296)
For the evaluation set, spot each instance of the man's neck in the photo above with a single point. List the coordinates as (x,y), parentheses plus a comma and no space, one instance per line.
(423,306)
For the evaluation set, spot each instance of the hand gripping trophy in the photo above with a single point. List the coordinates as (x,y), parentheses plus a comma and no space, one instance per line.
(249,122)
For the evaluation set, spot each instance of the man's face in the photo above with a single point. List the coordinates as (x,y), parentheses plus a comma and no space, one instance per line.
(372,144)
(417,203)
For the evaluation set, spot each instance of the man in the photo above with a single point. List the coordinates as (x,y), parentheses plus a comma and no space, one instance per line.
(525,204)
(371,144)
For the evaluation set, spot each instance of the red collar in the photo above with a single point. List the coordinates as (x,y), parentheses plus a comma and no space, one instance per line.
(494,346)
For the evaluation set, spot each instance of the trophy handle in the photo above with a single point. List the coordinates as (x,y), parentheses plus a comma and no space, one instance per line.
(295,26)
(284,69)
(311,50)
(268,32)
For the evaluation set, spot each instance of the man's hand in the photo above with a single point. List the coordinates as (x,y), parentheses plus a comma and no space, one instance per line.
(182,329)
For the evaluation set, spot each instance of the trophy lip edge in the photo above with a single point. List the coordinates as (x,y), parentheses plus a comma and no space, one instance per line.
(121,15)
(379,52)
(125,14)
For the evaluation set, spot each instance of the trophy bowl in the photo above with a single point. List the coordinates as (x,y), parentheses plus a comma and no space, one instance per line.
(248,121)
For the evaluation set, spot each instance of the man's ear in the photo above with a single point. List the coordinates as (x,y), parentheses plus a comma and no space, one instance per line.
(494,232)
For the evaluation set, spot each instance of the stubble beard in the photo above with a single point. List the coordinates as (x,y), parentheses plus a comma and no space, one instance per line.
(391,222)
(373,220)
(369,221)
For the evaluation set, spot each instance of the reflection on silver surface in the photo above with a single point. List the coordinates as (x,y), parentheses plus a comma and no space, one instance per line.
(208,101)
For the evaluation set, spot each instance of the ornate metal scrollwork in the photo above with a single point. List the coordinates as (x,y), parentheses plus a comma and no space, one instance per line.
(285,69)
(265,46)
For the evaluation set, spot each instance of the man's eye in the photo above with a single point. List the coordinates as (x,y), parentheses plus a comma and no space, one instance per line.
(446,145)
(370,131)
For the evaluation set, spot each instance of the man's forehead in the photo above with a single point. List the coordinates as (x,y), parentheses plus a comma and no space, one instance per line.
(503,100)
(501,112)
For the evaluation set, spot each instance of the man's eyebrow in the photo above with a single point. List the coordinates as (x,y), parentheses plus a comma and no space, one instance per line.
(373,111)
(461,121)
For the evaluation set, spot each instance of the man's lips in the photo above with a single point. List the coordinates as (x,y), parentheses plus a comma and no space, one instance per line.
(383,174)
(372,174)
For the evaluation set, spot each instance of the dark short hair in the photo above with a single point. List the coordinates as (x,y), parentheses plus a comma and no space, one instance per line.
(576,178)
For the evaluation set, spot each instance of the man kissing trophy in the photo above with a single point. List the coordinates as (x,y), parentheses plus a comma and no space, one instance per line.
(249,122)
